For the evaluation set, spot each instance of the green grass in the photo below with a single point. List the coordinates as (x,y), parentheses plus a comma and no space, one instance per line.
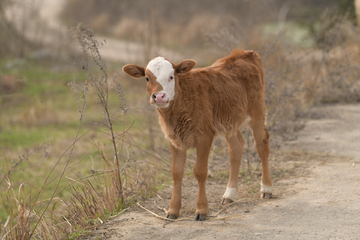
(19,137)
(43,108)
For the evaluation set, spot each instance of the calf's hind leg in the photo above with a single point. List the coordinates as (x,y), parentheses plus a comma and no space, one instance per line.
(261,137)
(235,146)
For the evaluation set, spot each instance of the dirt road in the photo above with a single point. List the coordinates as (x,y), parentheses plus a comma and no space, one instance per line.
(334,129)
(319,201)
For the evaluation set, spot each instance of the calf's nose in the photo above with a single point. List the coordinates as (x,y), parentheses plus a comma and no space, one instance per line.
(159,98)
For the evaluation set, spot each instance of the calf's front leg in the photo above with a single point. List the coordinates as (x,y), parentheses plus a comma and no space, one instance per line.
(178,165)
(200,171)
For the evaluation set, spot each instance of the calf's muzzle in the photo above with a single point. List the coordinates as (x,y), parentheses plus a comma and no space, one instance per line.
(159,97)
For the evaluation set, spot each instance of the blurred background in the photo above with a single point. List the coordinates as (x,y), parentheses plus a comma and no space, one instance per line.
(310,51)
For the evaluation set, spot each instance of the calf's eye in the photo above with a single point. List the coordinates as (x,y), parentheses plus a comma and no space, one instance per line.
(147,79)
(171,77)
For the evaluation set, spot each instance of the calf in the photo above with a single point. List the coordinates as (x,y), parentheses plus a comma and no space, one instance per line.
(194,105)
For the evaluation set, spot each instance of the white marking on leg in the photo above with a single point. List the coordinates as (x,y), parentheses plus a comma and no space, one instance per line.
(265,189)
(230,193)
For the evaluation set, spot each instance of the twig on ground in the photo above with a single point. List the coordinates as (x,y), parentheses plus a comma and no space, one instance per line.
(226,206)
(172,220)
(124,210)
(162,209)
(225,218)
(155,213)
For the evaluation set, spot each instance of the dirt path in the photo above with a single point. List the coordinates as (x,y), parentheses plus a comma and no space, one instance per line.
(319,201)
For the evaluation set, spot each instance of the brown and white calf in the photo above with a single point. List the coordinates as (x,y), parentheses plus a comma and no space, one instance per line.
(194,105)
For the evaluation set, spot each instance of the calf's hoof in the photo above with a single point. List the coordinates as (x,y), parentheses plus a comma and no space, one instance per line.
(226,201)
(171,216)
(266,195)
(200,217)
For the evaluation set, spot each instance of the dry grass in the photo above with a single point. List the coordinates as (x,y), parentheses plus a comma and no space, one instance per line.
(23,222)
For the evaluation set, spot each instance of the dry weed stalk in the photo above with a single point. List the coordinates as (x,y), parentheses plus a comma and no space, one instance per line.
(89,46)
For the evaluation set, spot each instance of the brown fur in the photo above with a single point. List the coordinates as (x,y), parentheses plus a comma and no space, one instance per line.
(210,101)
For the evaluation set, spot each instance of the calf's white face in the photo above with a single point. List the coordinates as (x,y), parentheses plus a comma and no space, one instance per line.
(160,75)
(163,72)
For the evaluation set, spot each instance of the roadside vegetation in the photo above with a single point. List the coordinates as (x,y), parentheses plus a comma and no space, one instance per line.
(79,143)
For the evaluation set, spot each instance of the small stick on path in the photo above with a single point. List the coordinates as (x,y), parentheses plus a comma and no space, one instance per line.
(172,220)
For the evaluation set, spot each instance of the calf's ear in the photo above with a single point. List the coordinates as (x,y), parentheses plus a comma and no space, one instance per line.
(134,71)
(185,66)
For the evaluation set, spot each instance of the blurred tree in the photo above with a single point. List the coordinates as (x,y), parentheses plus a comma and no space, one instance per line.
(347,7)
(12,42)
